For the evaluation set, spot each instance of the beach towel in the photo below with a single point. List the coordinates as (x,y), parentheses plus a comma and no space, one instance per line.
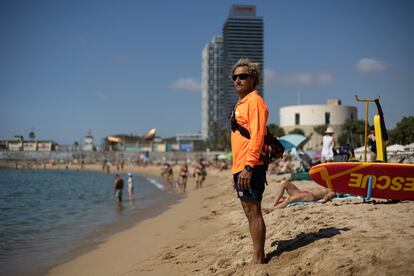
(342,197)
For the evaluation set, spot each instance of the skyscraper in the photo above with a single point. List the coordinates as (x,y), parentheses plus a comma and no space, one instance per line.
(242,38)
(212,85)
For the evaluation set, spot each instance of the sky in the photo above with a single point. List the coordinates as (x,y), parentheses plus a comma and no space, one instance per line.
(112,67)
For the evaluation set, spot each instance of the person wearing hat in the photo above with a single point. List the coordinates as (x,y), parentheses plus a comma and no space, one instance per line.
(328,144)
(130,187)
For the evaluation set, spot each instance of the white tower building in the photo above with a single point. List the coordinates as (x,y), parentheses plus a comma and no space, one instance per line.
(306,117)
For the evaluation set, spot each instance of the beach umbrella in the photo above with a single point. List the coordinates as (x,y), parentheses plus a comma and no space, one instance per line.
(409,147)
(360,149)
(395,148)
(221,157)
(292,141)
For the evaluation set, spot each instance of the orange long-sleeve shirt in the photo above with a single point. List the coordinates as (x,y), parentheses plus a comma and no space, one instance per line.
(251,113)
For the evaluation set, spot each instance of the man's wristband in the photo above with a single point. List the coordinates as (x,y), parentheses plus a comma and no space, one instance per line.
(248,168)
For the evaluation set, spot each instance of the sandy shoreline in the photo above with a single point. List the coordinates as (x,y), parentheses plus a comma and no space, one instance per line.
(206,234)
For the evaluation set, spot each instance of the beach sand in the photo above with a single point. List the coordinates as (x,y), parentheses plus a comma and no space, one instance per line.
(206,233)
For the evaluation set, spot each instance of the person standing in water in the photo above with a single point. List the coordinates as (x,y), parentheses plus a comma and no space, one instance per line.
(130,187)
(119,186)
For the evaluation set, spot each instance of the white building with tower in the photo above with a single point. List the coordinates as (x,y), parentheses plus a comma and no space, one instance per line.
(307,117)
(88,143)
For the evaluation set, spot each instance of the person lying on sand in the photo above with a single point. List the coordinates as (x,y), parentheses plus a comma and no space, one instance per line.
(297,195)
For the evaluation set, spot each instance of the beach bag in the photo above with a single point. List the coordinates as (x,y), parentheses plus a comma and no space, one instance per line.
(272,148)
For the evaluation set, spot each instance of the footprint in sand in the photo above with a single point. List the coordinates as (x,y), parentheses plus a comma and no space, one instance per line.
(205,218)
(211,197)
(224,263)
(168,256)
(180,246)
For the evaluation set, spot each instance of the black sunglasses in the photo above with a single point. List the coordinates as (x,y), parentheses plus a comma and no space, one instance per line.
(242,76)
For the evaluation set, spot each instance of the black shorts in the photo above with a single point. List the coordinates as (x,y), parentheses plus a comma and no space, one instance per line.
(257,185)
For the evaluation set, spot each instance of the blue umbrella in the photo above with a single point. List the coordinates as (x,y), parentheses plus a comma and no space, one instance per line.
(292,141)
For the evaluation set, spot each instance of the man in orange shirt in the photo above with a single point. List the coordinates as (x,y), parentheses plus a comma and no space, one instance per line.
(249,119)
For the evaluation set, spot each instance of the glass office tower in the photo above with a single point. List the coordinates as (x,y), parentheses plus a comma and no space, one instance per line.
(242,38)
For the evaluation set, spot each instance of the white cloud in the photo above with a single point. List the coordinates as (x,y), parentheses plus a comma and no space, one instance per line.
(187,84)
(370,65)
(303,78)
(324,78)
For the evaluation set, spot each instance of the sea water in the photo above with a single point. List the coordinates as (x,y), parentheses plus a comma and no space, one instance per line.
(49,216)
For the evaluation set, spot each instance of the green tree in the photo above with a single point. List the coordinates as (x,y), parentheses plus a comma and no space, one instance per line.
(403,133)
(297,131)
(32,135)
(320,129)
(220,138)
(276,130)
(353,132)
(76,145)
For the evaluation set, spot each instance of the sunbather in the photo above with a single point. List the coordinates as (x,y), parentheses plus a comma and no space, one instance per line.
(281,166)
(297,195)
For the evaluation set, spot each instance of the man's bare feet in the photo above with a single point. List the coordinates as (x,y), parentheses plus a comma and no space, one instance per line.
(256,262)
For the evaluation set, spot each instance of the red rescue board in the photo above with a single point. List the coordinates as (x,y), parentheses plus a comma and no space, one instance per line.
(389,181)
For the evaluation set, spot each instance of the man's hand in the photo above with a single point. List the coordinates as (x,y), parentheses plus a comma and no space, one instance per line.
(244,179)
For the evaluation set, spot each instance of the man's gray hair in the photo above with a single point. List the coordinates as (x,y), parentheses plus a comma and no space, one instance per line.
(253,69)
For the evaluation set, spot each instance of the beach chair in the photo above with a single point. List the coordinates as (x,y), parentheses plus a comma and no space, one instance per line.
(306,162)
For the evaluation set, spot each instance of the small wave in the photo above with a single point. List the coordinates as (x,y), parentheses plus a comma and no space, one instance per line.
(156,183)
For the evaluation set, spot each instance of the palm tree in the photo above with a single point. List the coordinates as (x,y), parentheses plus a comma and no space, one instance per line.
(220,138)
(32,135)
(276,130)
(353,132)
(403,133)
(297,131)
(320,129)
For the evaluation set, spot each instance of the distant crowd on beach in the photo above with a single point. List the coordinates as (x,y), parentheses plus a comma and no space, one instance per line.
(198,170)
